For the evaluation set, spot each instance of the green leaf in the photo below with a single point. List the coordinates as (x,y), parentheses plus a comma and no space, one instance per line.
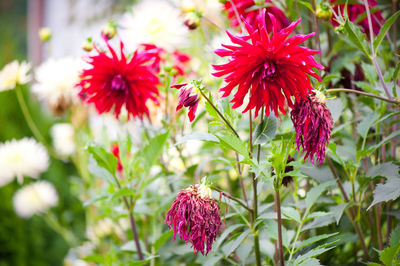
(388,191)
(197,136)
(265,130)
(311,254)
(307,4)
(315,193)
(227,231)
(211,111)
(314,239)
(125,191)
(389,22)
(162,239)
(230,247)
(142,262)
(103,158)
(338,210)
(389,255)
(395,237)
(234,143)
(356,36)
(365,124)
(153,149)
(336,108)
(388,170)
(291,213)
(310,262)
(385,141)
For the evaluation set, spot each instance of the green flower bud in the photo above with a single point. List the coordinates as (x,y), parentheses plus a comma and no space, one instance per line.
(45,34)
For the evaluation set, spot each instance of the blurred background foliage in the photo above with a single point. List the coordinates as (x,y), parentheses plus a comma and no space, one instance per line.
(23,242)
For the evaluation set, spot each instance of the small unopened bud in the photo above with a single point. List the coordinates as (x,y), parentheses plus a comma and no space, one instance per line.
(339,29)
(109,30)
(324,11)
(192,20)
(87,45)
(44,34)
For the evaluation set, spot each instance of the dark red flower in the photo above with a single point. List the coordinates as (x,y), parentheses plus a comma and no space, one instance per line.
(355,11)
(313,123)
(269,68)
(187,99)
(113,82)
(244,9)
(194,215)
(115,152)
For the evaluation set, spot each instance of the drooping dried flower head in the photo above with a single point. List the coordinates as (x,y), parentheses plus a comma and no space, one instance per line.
(114,82)
(188,97)
(194,215)
(356,11)
(269,68)
(246,10)
(313,123)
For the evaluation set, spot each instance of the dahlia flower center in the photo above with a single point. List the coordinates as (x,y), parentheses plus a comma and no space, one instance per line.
(118,83)
(270,71)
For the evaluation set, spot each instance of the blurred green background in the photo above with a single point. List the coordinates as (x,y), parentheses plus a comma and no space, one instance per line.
(32,241)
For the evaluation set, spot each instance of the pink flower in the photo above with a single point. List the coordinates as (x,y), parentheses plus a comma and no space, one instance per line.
(114,81)
(244,9)
(313,123)
(187,99)
(194,215)
(271,69)
(357,10)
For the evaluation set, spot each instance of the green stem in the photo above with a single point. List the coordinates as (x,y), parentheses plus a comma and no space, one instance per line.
(278,212)
(365,94)
(52,221)
(232,198)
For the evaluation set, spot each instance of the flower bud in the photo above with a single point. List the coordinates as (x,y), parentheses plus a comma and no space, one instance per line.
(339,29)
(109,30)
(87,45)
(44,34)
(324,11)
(192,20)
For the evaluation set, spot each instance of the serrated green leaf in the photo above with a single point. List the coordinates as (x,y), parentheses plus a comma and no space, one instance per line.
(395,237)
(307,4)
(152,151)
(356,36)
(311,254)
(227,231)
(315,193)
(389,255)
(211,111)
(162,239)
(338,210)
(230,247)
(388,170)
(388,191)
(103,158)
(313,239)
(125,191)
(266,130)
(234,143)
(384,29)
(291,213)
(142,262)
(365,124)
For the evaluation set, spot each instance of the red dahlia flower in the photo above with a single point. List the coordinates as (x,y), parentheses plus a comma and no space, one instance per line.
(269,68)
(313,123)
(194,215)
(244,9)
(355,11)
(113,82)
(187,99)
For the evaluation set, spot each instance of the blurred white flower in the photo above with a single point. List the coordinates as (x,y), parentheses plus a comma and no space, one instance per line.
(155,22)
(19,158)
(56,80)
(63,139)
(35,198)
(212,9)
(13,74)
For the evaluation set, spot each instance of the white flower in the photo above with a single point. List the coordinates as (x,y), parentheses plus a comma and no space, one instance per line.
(19,158)
(63,139)
(56,80)
(35,198)
(13,74)
(155,22)
(209,8)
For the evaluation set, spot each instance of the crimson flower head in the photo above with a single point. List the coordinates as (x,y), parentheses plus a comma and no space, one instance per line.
(269,68)
(313,123)
(194,215)
(188,97)
(245,9)
(356,11)
(114,82)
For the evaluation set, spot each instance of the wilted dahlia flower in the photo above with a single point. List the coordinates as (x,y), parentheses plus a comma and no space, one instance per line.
(313,123)
(19,158)
(245,9)
(113,82)
(194,215)
(34,199)
(188,97)
(356,11)
(14,73)
(269,68)
(56,79)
